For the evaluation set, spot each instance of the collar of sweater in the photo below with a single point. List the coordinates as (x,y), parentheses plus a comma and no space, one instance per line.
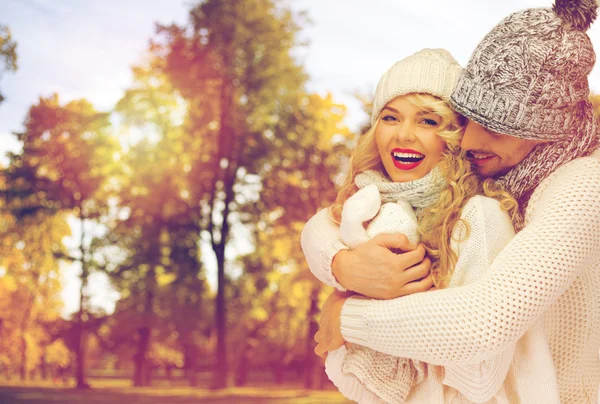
(419,193)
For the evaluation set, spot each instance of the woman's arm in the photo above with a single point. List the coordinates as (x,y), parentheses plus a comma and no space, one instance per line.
(472,323)
(321,241)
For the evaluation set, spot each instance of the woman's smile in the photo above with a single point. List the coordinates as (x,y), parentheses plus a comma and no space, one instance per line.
(406,159)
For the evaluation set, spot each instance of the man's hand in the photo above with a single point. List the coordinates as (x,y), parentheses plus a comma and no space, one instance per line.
(373,270)
(329,337)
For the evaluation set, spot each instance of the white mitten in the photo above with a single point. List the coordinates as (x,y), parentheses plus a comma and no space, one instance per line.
(359,208)
(395,218)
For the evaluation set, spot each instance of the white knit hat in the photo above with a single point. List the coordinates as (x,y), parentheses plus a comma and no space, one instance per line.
(430,71)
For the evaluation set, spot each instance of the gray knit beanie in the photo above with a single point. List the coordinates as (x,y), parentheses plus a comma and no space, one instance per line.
(429,71)
(528,77)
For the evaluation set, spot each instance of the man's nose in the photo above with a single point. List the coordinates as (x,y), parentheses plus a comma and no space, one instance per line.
(471,139)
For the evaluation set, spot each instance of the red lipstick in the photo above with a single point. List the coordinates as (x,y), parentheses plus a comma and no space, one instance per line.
(403,161)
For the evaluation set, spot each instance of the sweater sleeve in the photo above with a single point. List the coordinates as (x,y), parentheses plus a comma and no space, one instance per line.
(348,384)
(321,241)
(471,323)
(481,381)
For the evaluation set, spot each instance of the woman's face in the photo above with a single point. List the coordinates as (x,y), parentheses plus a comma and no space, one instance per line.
(407,140)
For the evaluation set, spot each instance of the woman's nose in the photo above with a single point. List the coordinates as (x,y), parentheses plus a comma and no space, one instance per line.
(406,132)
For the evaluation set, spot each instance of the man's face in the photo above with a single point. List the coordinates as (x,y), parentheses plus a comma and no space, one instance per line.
(494,154)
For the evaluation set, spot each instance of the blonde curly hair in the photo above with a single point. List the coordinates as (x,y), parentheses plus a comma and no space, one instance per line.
(438,221)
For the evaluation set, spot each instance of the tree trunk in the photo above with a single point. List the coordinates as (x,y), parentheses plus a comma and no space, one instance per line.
(43,365)
(139,376)
(149,373)
(225,164)
(142,366)
(190,364)
(80,338)
(279,372)
(24,327)
(80,352)
(168,373)
(23,365)
(221,370)
(241,373)
(313,327)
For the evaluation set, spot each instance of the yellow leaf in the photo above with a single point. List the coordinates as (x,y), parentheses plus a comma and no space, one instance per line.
(258,313)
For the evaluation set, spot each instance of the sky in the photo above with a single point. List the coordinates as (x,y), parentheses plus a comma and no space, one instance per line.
(85,48)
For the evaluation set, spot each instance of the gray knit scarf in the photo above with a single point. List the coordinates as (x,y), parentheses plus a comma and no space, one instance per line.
(419,193)
(543,160)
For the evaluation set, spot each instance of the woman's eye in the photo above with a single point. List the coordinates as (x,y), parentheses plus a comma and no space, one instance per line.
(389,118)
(430,122)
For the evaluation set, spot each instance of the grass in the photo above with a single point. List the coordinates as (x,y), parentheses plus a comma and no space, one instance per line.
(116,391)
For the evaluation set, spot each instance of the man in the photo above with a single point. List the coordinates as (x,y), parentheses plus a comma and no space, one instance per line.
(525,92)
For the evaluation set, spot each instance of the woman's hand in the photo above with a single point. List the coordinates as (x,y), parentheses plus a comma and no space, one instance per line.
(329,337)
(373,270)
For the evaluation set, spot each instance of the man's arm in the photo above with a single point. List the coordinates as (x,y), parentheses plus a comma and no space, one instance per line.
(490,231)
(472,323)
(371,269)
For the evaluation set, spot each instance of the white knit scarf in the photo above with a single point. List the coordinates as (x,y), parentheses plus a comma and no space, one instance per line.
(543,160)
(419,193)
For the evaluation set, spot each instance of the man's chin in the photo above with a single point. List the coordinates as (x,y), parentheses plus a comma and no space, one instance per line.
(491,172)
(483,173)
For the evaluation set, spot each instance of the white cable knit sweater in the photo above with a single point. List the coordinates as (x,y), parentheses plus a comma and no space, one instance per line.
(542,290)
(367,376)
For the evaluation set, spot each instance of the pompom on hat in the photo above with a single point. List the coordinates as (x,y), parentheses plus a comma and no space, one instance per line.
(430,71)
(580,14)
(528,76)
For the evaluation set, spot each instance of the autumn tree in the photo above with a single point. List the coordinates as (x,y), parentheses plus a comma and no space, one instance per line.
(160,233)
(234,65)
(29,288)
(66,164)
(8,53)
(297,183)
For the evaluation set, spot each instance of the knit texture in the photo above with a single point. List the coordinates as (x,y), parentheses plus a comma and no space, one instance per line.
(391,378)
(544,159)
(347,383)
(362,374)
(430,71)
(365,206)
(419,193)
(548,275)
(528,78)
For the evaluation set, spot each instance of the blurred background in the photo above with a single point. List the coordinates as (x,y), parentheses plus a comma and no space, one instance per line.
(158,160)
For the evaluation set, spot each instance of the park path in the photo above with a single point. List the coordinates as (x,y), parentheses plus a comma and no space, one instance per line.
(46,395)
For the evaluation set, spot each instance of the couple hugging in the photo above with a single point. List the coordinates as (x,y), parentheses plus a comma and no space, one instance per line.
(464,243)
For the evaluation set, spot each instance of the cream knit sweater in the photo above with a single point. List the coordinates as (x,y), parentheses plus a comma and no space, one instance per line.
(367,376)
(542,291)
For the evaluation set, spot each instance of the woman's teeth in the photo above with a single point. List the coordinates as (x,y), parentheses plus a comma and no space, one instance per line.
(407,157)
